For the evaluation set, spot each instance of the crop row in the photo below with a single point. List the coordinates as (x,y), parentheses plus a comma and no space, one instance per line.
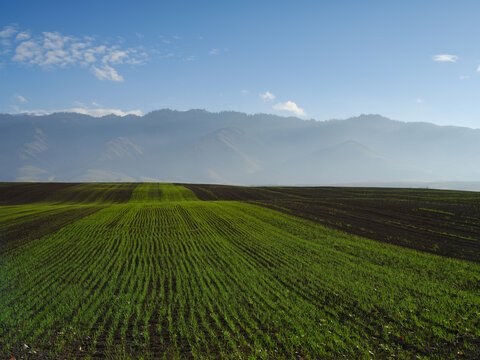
(441,222)
(180,278)
(65,193)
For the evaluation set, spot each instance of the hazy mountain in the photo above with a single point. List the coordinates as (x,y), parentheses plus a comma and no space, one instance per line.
(226,155)
(232,147)
(350,160)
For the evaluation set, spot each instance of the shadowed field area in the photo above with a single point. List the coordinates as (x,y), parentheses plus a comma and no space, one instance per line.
(441,222)
(147,271)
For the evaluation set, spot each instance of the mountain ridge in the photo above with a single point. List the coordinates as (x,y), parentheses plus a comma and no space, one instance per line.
(233,147)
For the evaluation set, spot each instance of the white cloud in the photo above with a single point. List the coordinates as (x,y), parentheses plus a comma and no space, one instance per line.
(267,96)
(464,77)
(57,57)
(214,52)
(54,40)
(98,111)
(290,106)
(244,91)
(28,52)
(445,58)
(83,110)
(87,56)
(107,73)
(51,50)
(79,103)
(7,32)
(22,36)
(420,101)
(478,68)
(21,98)
(116,56)
(103,112)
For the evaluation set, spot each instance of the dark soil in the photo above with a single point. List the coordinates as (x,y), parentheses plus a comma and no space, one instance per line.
(26,231)
(441,222)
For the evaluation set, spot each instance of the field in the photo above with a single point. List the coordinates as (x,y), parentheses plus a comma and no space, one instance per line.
(147,271)
(440,222)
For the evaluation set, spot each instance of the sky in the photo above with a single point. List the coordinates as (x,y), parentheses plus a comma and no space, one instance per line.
(407,60)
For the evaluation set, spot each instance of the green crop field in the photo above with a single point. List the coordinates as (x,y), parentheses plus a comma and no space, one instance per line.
(164,271)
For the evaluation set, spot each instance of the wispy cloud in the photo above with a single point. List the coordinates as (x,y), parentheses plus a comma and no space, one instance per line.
(445,58)
(291,107)
(22,36)
(216,51)
(267,95)
(464,77)
(107,73)
(103,57)
(50,50)
(28,52)
(20,98)
(116,56)
(419,101)
(244,91)
(6,34)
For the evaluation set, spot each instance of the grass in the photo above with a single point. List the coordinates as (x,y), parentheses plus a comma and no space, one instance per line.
(166,275)
(437,221)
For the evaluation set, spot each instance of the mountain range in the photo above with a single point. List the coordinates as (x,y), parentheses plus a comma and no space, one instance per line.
(236,148)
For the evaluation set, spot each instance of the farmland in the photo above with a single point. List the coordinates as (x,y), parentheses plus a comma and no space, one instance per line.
(201,271)
(437,221)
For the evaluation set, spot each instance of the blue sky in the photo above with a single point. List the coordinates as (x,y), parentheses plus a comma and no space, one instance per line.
(408,60)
